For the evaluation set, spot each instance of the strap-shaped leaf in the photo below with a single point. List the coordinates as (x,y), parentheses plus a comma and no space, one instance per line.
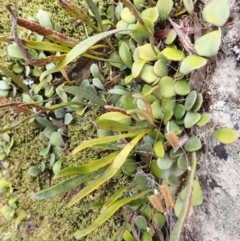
(92,166)
(109,173)
(62,187)
(78,50)
(176,233)
(107,213)
(103,140)
(84,93)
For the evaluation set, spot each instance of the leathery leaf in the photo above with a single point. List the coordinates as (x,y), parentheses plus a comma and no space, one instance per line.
(90,167)
(77,51)
(114,197)
(107,213)
(103,140)
(62,187)
(110,171)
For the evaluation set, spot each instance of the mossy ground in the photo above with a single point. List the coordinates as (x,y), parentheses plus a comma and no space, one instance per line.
(49,220)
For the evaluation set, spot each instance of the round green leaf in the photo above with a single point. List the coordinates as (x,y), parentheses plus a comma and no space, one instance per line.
(198,103)
(165,162)
(171,37)
(193,144)
(18,69)
(34,171)
(182,162)
(182,87)
(122,25)
(172,180)
(167,116)
(155,170)
(140,182)
(164,8)
(208,44)
(149,23)
(160,219)
(226,135)
(146,211)
(190,100)
(56,139)
(68,119)
(127,16)
(161,68)
(141,222)
(168,104)
(179,111)
(158,149)
(146,52)
(44,19)
(127,102)
(205,118)
(117,62)
(192,62)
(151,13)
(197,197)
(157,110)
(147,74)
(59,113)
(97,83)
(4,85)
(166,85)
(94,70)
(191,119)
(173,54)
(137,67)
(125,54)
(217,12)
(129,167)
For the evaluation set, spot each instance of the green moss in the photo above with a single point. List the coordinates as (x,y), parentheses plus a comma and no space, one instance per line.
(50,219)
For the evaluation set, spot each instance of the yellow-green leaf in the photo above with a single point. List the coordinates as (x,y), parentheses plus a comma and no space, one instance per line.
(111,170)
(217,12)
(208,44)
(226,135)
(106,214)
(114,197)
(62,187)
(90,167)
(98,141)
(77,51)
(192,62)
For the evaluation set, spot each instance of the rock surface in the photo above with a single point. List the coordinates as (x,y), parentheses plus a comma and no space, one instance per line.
(218,218)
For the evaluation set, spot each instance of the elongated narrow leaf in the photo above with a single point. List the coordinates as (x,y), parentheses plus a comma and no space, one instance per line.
(114,197)
(46,46)
(103,140)
(92,166)
(15,79)
(84,93)
(78,50)
(176,233)
(95,12)
(109,173)
(106,214)
(17,123)
(62,187)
